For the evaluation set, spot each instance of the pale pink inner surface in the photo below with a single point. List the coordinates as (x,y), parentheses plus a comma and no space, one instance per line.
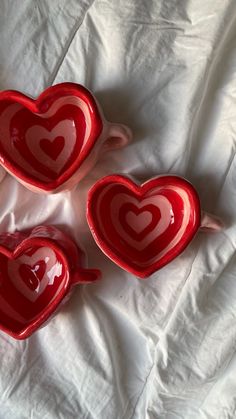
(138,222)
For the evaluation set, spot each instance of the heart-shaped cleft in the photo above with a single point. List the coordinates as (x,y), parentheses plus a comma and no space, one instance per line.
(37,271)
(143,227)
(50,143)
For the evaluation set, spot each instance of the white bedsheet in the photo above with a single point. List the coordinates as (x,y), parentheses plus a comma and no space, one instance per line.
(163,348)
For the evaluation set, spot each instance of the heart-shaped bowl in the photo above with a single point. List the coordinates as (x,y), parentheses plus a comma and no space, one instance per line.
(50,143)
(38,269)
(144,227)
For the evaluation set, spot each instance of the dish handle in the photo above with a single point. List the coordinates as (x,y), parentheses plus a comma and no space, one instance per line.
(210,223)
(118,136)
(85,276)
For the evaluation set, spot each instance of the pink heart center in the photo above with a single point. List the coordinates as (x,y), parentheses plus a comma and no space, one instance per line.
(53,148)
(32,275)
(138,221)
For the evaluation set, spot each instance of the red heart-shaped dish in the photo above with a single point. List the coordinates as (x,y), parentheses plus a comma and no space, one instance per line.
(37,272)
(142,228)
(50,143)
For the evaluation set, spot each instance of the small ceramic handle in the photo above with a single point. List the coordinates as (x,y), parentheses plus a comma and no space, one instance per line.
(117,137)
(85,276)
(210,223)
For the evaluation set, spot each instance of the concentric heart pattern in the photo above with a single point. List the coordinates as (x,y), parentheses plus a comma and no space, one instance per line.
(44,141)
(29,283)
(37,271)
(142,228)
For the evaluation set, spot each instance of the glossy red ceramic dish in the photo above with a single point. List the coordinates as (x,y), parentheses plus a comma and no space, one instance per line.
(37,271)
(51,142)
(144,227)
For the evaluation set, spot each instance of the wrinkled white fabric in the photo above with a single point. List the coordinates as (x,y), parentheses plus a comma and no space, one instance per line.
(163,348)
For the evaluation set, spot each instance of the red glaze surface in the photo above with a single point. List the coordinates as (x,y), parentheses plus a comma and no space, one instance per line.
(51,142)
(37,270)
(142,228)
